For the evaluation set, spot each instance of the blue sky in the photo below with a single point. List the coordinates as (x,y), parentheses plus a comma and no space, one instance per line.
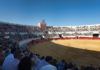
(54,12)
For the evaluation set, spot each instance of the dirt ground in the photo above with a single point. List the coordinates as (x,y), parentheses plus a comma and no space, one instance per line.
(82,52)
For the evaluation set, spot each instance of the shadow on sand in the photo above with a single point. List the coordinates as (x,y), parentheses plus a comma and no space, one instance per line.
(59,52)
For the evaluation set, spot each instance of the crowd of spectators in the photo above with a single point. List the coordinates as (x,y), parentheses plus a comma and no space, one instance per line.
(69,31)
(22,32)
(88,28)
(95,28)
(82,28)
(61,29)
(18,32)
(74,28)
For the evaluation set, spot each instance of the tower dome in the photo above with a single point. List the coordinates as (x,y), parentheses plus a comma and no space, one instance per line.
(42,24)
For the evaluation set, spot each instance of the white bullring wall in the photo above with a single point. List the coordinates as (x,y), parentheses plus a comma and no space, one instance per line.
(24,43)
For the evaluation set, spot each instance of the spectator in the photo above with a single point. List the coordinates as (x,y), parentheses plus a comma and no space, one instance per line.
(8,60)
(1,57)
(6,51)
(54,62)
(25,64)
(13,64)
(49,66)
(39,62)
(61,65)
(70,66)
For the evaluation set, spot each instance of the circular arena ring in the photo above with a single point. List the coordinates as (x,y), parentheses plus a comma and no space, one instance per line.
(81,51)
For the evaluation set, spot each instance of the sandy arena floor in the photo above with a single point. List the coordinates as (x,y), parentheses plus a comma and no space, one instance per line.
(82,52)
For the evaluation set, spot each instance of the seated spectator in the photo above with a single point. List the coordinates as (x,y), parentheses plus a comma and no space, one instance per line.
(26,52)
(49,66)
(61,65)
(90,67)
(39,62)
(72,66)
(25,64)
(54,62)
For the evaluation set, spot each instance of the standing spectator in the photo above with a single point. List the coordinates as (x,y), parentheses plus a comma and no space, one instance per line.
(8,60)
(13,64)
(1,57)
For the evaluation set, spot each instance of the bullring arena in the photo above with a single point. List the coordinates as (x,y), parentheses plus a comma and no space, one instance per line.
(76,44)
(82,52)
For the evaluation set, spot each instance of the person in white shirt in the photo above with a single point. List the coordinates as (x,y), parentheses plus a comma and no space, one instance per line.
(7,60)
(12,64)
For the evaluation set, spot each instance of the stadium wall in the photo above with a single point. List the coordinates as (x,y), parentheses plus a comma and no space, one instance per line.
(24,43)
